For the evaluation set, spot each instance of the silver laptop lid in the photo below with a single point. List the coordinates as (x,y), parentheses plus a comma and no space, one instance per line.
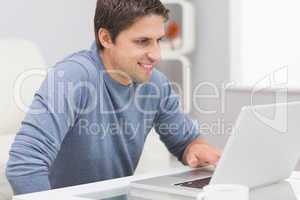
(264,146)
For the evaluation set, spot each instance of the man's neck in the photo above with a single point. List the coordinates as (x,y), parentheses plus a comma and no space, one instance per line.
(113,72)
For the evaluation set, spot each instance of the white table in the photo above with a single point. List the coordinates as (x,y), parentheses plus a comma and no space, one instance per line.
(118,187)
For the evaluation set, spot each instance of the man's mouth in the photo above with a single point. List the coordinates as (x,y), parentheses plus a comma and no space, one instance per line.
(147,67)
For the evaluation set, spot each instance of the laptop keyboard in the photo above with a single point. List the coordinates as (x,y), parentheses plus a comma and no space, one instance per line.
(199,183)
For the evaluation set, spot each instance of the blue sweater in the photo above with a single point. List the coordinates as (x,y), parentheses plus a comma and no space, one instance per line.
(83,126)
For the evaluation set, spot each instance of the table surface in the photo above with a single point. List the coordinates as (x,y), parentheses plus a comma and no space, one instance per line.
(117,189)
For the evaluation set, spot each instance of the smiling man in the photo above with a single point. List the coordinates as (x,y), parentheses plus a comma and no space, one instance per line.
(135,51)
(89,120)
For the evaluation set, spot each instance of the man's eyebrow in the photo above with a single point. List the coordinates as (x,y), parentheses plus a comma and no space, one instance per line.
(148,38)
(142,38)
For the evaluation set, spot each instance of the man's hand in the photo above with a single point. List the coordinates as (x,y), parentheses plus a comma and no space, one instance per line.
(199,154)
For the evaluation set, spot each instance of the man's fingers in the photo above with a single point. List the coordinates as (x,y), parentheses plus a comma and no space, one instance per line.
(195,161)
(209,157)
(213,159)
(192,161)
(218,152)
(202,154)
(214,150)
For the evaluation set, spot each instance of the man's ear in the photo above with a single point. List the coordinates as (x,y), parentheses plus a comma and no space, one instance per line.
(105,38)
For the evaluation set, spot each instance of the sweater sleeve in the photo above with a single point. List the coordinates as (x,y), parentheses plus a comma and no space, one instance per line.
(175,128)
(54,108)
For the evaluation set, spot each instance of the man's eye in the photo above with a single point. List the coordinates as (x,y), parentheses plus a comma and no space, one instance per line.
(160,40)
(142,42)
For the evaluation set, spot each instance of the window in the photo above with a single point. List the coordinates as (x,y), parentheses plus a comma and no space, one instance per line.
(265,42)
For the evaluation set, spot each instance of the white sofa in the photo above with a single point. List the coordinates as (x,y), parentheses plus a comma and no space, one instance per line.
(5,142)
(20,62)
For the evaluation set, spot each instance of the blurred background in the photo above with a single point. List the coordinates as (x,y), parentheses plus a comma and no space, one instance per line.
(222,55)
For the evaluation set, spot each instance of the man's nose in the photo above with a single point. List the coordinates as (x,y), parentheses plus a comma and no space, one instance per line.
(154,54)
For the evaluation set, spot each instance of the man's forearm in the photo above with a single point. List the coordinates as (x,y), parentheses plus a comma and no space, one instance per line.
(29,184)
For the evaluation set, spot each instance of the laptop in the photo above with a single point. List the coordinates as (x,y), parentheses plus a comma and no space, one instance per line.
(263,148)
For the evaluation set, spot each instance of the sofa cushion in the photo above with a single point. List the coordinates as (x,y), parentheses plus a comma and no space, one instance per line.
(5,143)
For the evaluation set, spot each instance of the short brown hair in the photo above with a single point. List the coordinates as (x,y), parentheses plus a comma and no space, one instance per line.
(118,15)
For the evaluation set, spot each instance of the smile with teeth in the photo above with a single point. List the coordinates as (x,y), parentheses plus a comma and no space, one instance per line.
(147,67)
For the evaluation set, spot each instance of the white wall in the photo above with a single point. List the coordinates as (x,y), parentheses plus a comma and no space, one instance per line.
(211,60)
(57,27)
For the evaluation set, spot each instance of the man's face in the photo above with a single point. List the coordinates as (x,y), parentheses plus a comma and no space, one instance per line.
(136,49)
